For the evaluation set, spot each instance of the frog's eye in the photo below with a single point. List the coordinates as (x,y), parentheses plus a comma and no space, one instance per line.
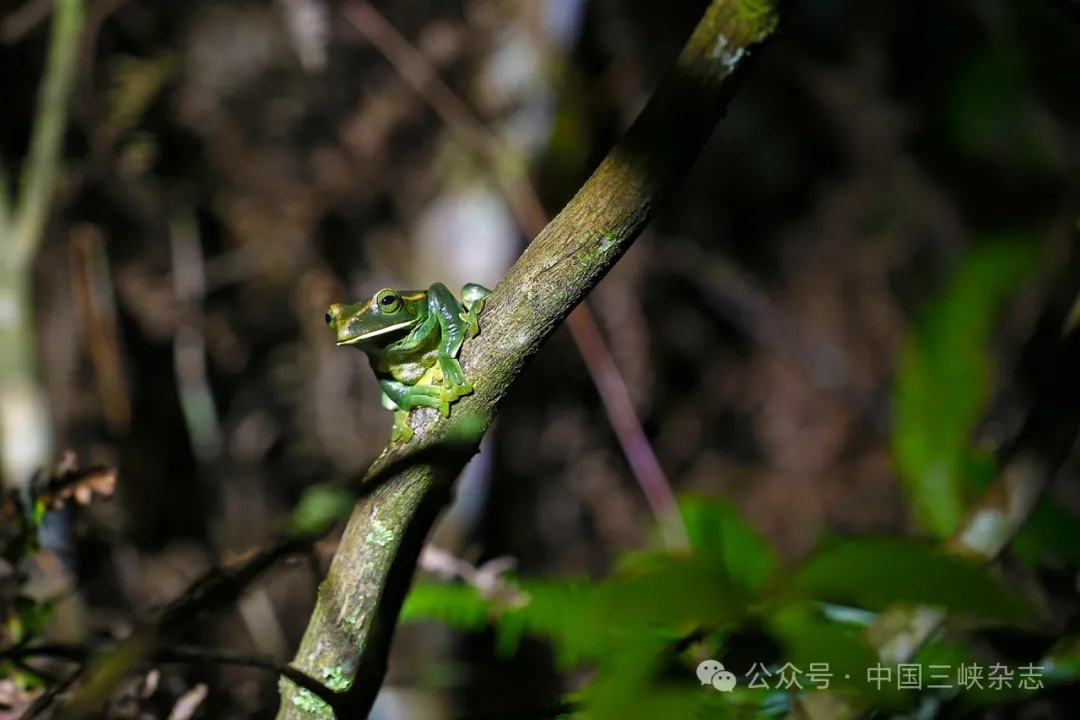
(329,319)
(388,300)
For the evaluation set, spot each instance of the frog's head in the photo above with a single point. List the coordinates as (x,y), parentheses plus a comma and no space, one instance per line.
(379,322)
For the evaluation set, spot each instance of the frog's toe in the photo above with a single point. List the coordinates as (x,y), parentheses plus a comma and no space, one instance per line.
(452,391)
(401,432)
(474,325)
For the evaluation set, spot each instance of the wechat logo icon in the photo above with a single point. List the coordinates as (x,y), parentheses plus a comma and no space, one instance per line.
(710,672)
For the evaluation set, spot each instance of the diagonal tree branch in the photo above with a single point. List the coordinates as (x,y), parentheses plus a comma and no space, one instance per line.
(523,201)
(349,634)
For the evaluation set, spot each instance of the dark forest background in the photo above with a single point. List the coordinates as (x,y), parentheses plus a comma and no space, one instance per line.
(231,168)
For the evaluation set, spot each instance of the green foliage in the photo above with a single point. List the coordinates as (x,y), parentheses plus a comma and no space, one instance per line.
(1051,530)
(319,508)
(644,628)
(641,594)
(24,617)
(877,572)
(944,379)
(629,624)
(718,533)
(809,639)
(990,113)
(548,610)
(458,606)
(631,683)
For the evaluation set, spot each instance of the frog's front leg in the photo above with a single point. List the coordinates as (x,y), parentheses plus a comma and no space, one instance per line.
(402,398)
(453,327)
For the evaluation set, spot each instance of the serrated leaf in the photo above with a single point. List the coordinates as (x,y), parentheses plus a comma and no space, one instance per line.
(718,533)
(943,381)
(877,572)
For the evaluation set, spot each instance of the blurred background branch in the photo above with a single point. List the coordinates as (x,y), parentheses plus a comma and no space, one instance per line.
(25,424)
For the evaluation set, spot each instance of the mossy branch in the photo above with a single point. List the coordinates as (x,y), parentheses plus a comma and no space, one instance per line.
(348,638)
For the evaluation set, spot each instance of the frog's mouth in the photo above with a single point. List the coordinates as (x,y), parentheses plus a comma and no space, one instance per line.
(381,331)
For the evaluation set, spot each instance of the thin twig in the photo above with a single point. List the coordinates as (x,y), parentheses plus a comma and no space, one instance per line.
(47,698)
(36,188)
(189,346)
(176,654)
(219,588)
(529,212)
(94,304)
(23,19)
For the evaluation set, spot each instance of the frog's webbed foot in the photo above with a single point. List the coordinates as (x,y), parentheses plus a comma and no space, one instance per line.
(401,431)
(416,396)
(474,296)
(470,318)
(454,383)
(429,396)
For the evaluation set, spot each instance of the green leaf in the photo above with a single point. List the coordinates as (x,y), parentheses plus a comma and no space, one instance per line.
(1051,530)
(662,590)
(1062,663)
(939,653)
(319,508)
(632,683)
(838,654)
(943,382)
(990,113)
(554,611)
(718,533)
(459,606)
(875,573)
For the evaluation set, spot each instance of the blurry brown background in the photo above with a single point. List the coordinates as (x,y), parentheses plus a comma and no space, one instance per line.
(231,168)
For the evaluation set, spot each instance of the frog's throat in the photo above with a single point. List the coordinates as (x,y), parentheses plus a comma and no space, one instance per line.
(380,331)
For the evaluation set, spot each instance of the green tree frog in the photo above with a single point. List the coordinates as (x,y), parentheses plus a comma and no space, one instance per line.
(412,338)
